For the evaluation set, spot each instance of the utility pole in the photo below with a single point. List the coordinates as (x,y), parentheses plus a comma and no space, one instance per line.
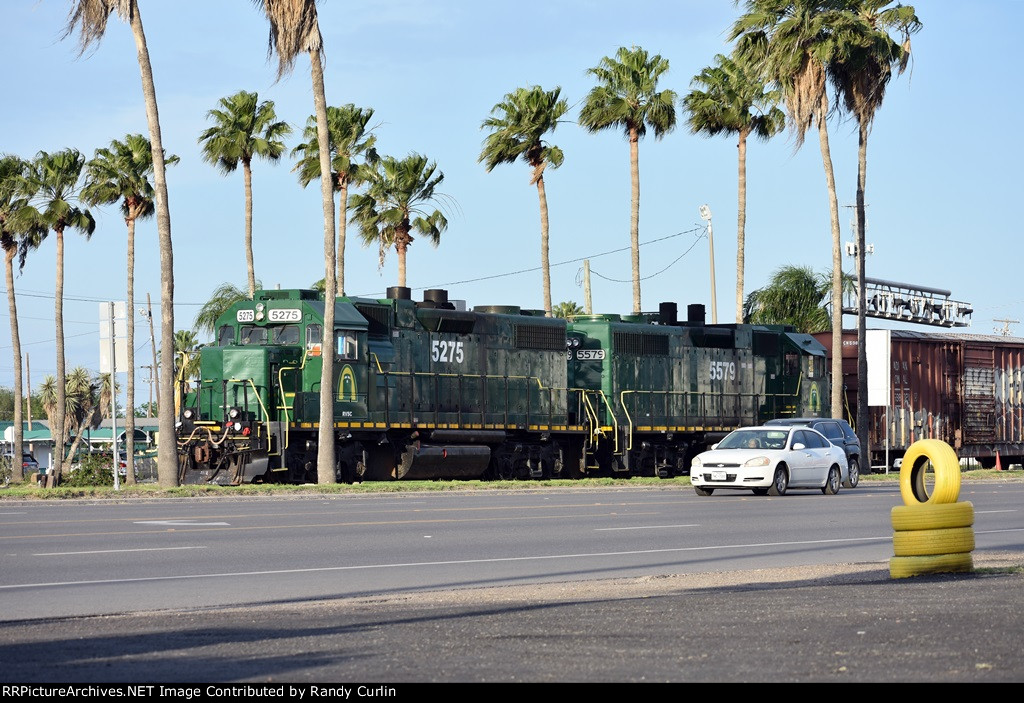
(28,383)
(705,214)
(152,343)
(1005,331)
(588,308)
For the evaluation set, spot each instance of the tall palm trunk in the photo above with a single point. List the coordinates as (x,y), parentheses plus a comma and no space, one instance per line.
(402,247)
(249,263)
(58,431)
(342,225)
(167,450)
(129,414)
(837,267)
(325,469)
(17,475)
(545,263)
(741,222)
(634,217)
(862,361)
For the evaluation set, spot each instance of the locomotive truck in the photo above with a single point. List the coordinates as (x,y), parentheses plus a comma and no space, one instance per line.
(429,390)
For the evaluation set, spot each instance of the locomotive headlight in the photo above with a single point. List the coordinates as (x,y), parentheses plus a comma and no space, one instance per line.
(259,316)
(189,414)
(260,307)
(237,427)
(233,413)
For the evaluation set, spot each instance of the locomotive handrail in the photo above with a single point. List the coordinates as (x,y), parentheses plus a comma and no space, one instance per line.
(262,406)
(284,406)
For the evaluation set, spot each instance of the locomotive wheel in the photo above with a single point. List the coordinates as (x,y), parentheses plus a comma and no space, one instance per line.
(932,517)
(929,459)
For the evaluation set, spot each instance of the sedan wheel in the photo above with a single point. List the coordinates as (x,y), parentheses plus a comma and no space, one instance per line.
(854,474)
(832,484)
(779,483)
(760,491)
(703,491)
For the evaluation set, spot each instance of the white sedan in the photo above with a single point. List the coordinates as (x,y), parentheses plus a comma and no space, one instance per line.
(769,461)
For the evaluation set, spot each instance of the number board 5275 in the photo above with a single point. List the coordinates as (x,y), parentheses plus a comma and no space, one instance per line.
(284,315)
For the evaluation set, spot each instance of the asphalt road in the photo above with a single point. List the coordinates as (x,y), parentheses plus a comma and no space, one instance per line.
(800,614)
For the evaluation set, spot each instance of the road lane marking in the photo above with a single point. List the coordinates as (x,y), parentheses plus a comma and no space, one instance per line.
(113,551)
(181,522)
(641,527)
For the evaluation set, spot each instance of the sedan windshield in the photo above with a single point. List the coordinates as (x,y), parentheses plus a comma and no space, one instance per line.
(755,439)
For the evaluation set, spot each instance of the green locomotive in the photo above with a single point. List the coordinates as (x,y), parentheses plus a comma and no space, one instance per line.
(425,390)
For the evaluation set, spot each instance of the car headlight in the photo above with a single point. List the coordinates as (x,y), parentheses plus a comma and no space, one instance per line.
(696,462)
(757,461)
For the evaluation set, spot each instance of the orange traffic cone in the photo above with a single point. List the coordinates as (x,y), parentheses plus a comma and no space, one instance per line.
(999,464)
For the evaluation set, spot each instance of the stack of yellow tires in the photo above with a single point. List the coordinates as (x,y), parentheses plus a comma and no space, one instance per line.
(932,531)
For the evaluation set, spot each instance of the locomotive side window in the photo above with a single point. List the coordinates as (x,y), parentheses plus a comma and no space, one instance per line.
(287,334)
(346,345)
(313,339)
(790,364)
(250,334)
(225,336)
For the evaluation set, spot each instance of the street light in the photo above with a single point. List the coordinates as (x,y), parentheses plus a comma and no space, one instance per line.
(705,214)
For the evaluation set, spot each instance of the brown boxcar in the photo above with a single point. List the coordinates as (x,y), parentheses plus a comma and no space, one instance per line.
(964,389)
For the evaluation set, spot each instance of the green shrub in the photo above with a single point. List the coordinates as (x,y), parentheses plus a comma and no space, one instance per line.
(94,470)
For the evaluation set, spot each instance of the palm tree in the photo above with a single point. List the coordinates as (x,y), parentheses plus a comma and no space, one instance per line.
(352,147)
(86,403)
(627,97)
(860,78)
(19,234)
(90,17)
(734,101)
(795,296)
(568,309)
(295,29)
(244,128)
(223,297)
(54,178)
(121,172)
(792,43)
(398,196)
(518,125)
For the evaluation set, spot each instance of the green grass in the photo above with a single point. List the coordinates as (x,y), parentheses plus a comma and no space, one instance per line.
(30,491)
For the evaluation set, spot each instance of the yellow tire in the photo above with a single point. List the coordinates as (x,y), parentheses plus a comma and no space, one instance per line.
(946,467)
(902,567)
(919,543)
(926,516)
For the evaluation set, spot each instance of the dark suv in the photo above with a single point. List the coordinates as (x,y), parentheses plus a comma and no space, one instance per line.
(839,433)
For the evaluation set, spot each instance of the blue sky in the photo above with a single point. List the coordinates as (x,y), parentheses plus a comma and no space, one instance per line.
(940,172)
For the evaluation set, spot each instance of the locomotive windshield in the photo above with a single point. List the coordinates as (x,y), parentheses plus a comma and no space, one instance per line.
(250,334)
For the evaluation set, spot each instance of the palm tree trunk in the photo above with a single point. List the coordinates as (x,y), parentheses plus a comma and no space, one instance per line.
(129,414)
(17,474)
(58,432)
(741,222)
(342,226)
(861,426)
(634,216)
(249,263)
(545,263)
(167,449)
(837,270)
(325,462)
